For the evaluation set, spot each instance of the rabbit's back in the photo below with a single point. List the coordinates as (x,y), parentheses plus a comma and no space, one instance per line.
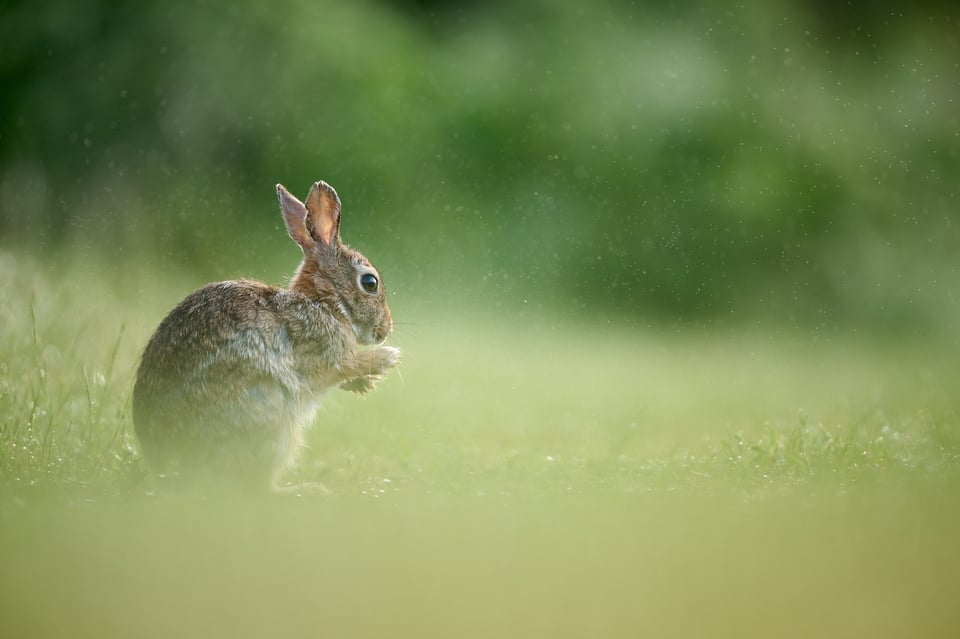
(227,329)
(230,377)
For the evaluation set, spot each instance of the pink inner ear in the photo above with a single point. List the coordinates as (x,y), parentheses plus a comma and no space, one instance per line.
(323,229)
(323,213)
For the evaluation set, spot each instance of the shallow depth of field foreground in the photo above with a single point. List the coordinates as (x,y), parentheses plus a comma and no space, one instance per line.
(531,477)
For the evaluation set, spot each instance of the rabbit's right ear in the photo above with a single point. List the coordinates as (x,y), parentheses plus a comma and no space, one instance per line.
(295,217)
(323,214)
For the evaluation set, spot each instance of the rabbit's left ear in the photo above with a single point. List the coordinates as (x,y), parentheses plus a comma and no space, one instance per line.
(323,214)
(295,217)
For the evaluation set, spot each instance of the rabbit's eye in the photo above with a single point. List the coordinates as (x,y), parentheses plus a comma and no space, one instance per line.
(369,282)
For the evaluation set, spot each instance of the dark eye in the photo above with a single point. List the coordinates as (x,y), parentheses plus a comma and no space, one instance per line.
(369,282)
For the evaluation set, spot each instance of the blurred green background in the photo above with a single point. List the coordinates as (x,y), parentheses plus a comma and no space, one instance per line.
(675,282)
(680,162)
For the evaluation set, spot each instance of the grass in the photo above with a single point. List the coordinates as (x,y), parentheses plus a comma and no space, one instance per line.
(521,476)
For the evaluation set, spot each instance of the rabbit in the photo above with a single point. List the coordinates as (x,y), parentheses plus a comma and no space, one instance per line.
(234,374)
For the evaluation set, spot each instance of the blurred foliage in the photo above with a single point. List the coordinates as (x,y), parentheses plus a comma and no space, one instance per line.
(695,160)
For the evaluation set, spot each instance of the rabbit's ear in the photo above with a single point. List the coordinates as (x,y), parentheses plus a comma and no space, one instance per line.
(295,217)
(323,214)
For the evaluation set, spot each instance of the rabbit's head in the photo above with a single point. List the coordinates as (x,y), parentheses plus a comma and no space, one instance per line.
(331,272)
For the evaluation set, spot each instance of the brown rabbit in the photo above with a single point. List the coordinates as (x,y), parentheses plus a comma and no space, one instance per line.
(235,373)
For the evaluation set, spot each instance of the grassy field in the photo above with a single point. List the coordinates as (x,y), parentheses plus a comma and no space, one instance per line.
(525,474)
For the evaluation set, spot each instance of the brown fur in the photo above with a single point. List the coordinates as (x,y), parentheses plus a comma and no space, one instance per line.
(234,374)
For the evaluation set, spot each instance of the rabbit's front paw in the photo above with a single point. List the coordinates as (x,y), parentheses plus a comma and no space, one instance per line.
(372,363)
(389,357)
(361,385)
